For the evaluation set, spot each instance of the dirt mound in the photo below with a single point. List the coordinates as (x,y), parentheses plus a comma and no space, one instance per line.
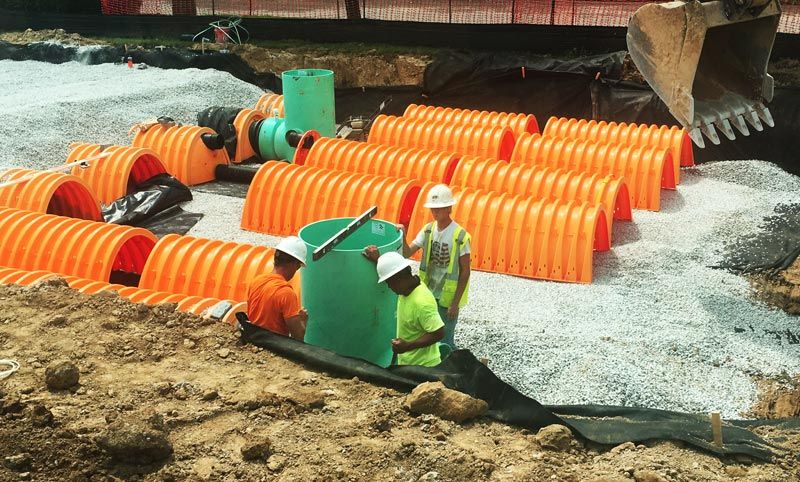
(781,290)
(779,399)
(227,411)
(53,35)
(352,69)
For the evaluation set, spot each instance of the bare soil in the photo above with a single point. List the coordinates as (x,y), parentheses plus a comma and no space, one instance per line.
(781,290)
(212,396)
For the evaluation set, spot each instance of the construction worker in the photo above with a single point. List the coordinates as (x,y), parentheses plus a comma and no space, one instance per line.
(419,326)
(444,266)
(271,302)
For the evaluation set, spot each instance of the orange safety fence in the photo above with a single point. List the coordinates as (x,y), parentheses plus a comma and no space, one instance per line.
(269,103)
(117,175)
(380,160)
(69,246)
(189,304)
(285,197)
(465,139)
(645,169)
(206,267)
(48,192)
(242,123)
(518,123)
(183,152)
(523,236)
(675,139)
(540,182)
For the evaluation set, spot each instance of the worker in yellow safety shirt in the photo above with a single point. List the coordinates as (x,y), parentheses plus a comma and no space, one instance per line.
(444,266)
(419,326)
(271,302)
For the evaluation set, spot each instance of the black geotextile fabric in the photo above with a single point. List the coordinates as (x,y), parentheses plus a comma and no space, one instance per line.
(221,119)
(773,248)
(153,199)
(463,372)
(173,220)
(168,58)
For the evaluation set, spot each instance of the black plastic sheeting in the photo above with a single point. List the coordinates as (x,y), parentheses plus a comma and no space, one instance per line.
(168,58)
(463,372)
(221,119)
(152,205)
(172,220)
(774,248)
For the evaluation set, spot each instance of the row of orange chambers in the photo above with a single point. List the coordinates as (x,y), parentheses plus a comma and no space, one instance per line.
(537,205)
(51,226)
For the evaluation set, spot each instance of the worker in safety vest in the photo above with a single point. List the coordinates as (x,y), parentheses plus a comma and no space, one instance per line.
(419,326)
(444,266)
(271,301)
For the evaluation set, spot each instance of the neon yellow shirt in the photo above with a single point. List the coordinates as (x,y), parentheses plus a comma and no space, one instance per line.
(418,314)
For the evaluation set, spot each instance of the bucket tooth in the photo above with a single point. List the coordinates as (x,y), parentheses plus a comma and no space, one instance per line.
(711,133)
(725,127)
(697,137)
(740,125)
(765,115)
(752,118)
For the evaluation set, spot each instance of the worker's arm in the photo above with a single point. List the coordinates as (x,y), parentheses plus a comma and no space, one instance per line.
(401,346)
(408,249)
(297,325)
(463,279)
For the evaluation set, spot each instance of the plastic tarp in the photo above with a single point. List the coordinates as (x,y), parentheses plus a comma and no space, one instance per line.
(153,204)
(463,372)
(774,248)
(221,119)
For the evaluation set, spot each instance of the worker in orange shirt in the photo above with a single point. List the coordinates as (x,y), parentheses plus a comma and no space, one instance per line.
(271,302)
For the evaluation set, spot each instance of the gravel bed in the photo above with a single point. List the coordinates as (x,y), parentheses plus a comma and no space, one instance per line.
(658,327)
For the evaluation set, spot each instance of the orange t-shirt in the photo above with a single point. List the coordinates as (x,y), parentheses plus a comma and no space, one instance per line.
(270,301)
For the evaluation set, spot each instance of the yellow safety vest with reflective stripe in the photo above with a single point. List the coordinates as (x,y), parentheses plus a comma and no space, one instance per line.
(460,236)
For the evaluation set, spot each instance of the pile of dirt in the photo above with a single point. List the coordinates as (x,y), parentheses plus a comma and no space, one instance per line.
(369,69)
(165,396)
(54,35)
(778,399)
(781,290)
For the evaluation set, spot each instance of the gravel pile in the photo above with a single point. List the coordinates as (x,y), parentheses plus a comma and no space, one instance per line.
(45,106)
(658,327)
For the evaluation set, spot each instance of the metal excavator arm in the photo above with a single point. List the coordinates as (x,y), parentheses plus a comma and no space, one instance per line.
(708,62)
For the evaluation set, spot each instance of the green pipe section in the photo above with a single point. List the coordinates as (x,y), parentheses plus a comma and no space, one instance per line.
(349,312)
(308,104)
(308,100)
(272,143)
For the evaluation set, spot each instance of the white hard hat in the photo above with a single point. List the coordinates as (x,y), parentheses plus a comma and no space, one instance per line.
(389,264)
(294,247)
(440,196)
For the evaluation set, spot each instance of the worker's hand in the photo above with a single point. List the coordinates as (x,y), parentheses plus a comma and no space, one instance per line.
(371,253)
(452,312)
(303,314)
(401,227)
(400,346)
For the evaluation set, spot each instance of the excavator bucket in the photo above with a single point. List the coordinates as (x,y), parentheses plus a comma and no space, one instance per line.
(708,62)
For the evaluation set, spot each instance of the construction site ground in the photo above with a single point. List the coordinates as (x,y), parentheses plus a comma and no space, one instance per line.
(216,395)
(655,329)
